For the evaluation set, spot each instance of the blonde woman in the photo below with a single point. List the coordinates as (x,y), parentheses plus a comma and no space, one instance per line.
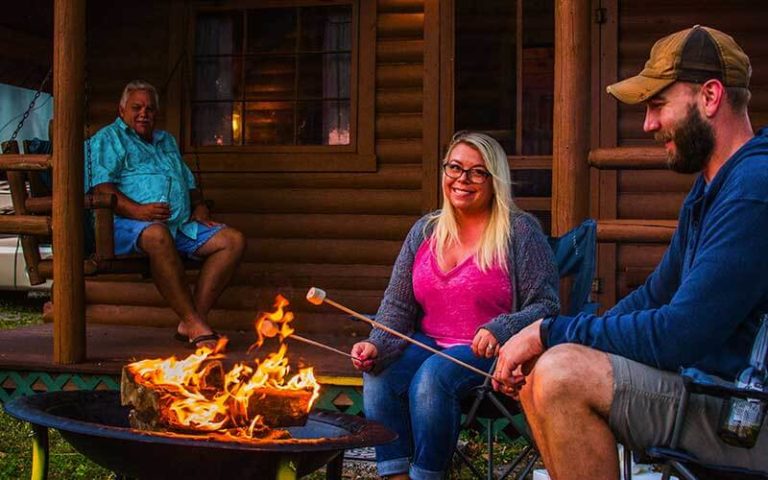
(468,277)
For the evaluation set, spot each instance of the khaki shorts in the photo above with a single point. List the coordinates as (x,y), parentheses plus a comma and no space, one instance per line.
(643,414)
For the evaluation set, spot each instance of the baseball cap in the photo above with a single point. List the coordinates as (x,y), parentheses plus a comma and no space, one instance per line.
(696,54)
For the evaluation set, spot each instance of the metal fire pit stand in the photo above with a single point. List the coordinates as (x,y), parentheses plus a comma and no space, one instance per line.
(39,452)
(285,470)
(97,426)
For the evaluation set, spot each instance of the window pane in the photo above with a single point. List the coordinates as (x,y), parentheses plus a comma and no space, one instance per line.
(532,183)
(289,85)
(218,78)
(212,123)
(272,30)
(326,29)
(270,77)
(324,76)
(219,33)
(486,48)
(269,123)
(323,123)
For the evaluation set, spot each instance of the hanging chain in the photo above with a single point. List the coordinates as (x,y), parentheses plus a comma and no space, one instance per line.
(88,160)
(86,116)
(32,104)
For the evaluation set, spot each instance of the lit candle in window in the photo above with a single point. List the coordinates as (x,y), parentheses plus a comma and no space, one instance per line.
(236,126)
(338,137)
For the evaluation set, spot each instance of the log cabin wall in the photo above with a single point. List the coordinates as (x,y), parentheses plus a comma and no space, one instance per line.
(658,194)
(337,231)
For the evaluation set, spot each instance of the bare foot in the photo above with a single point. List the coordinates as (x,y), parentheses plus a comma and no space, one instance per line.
(193,328)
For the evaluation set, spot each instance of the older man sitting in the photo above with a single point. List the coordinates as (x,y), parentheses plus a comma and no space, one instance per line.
(160,212)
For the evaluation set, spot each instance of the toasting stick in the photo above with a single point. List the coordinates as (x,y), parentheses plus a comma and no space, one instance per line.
(293,336)
(317,296)
(267,328)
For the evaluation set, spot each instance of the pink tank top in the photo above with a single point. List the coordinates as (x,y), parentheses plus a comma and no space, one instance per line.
(457,302)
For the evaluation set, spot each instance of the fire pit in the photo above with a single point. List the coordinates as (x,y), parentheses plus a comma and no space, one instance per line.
(97,425)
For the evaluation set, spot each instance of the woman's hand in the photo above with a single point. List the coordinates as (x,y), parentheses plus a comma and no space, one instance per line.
(485,345)
(364,356)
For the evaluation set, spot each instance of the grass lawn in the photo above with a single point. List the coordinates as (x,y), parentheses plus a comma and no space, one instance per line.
(67,464)
(15,444)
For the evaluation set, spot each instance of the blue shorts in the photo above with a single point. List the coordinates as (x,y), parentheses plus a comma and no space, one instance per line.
(128,231)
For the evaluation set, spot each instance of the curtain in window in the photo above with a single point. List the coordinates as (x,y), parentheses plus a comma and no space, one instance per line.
(336,79)
(215,80)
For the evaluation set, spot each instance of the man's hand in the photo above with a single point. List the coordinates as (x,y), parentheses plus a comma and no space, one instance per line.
(150,212)
(485,345)
(365,354)
(200,213)
(514,355)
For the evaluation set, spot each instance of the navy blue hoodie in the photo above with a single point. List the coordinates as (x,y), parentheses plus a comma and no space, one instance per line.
(700,307)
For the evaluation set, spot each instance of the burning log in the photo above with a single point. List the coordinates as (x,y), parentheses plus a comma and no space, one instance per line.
(280,408)
(150,401)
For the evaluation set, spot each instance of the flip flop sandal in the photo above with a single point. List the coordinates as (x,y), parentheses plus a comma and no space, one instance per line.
(192,343)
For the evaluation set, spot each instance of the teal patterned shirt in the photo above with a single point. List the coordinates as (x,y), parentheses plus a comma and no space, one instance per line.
(144,172)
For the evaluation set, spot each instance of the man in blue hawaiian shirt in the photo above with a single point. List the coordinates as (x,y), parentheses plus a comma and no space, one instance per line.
(161,213)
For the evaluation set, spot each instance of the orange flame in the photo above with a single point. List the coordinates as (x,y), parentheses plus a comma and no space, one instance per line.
(196,394)
(266,323)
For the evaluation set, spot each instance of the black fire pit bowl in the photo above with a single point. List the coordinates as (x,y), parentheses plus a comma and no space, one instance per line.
(97,425)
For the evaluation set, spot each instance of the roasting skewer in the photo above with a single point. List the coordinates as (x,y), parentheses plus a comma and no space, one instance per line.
(268,329)
(317,296)
(322,345)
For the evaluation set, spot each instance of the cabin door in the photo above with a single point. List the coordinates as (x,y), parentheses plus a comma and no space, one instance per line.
(500,58)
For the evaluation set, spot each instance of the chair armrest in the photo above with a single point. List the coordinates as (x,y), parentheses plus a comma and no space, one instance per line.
(103,205)
(101,200)
(700,382)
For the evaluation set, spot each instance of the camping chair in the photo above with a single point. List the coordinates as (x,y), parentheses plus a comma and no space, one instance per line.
(575,254)
(685,464)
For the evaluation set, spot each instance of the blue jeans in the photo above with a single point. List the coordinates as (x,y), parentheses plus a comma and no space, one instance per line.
(419,397)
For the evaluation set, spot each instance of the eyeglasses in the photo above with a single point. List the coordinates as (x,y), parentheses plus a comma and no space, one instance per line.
(474,175)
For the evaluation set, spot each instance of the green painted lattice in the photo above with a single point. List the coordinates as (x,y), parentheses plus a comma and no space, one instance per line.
(14,384)
(17,384)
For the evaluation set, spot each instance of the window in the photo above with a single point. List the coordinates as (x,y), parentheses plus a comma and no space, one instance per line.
(283,86)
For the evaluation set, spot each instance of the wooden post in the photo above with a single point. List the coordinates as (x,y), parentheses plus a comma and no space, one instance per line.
(68,95)
(430,184)
(570,171)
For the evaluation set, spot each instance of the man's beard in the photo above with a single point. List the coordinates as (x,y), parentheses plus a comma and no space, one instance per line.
(694,142)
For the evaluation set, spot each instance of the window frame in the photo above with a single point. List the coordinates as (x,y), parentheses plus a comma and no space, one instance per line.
(358,156)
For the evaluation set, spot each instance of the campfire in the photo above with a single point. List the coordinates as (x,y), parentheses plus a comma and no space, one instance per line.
(195,395)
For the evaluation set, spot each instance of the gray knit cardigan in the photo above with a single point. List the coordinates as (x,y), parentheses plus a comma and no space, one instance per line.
(533,277)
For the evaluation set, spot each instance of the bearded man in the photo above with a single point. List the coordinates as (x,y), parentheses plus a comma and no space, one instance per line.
(588,381)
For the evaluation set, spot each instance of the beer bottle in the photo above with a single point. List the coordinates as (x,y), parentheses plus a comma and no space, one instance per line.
(741,419)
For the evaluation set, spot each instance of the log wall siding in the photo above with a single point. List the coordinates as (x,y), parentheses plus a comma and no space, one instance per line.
(658,194)
(337,231)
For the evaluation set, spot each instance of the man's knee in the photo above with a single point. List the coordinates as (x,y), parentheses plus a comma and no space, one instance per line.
(569,373)
(235,240)
(156,238)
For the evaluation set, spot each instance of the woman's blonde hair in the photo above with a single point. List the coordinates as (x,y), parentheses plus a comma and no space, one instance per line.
(495,241)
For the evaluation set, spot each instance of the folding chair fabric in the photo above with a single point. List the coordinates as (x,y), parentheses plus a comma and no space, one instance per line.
(575,254)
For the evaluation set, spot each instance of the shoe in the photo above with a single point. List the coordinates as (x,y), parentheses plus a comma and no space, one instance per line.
(193,343)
